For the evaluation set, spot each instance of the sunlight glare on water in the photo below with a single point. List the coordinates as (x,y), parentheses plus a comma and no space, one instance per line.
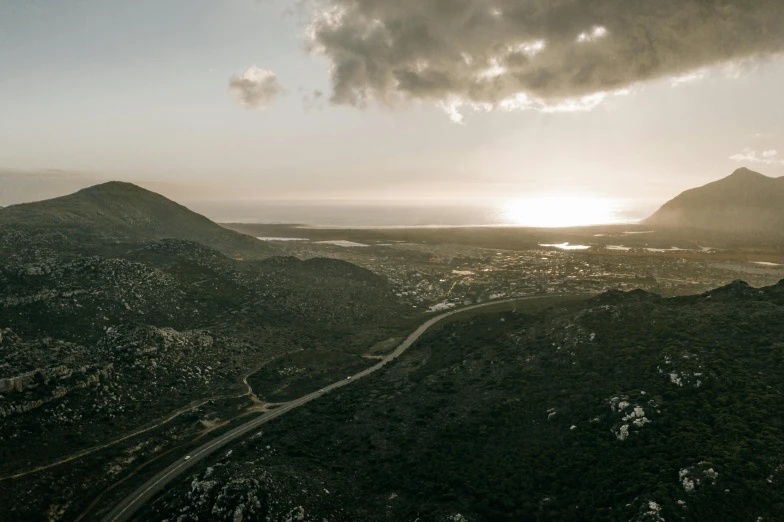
(562,211)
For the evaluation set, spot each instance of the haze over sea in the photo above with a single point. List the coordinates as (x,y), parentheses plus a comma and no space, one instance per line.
(418,214)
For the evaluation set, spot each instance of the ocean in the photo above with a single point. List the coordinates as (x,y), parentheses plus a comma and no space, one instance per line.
(384,214)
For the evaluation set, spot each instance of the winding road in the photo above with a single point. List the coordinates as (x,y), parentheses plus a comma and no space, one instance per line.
(138,431)
(131,504)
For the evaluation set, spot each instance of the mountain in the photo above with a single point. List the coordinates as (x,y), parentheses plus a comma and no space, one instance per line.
(126,213)
(125,318)
(744,202)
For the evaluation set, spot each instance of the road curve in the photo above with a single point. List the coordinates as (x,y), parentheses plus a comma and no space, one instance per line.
(126,509)
(138,431)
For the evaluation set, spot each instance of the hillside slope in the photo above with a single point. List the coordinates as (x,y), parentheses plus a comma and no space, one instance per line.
(744,202)
(123,212)
(166,323)
(624,407)
(121,310)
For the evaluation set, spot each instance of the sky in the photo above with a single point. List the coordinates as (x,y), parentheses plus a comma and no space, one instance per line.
(424,100)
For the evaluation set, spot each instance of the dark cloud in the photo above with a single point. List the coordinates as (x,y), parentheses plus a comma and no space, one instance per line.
(520,53)
(255,88)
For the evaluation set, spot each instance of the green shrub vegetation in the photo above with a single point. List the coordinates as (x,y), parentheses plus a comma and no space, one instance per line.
(624,407)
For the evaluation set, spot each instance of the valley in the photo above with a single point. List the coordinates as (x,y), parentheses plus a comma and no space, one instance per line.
(392,261)
(140,373)
(453,267)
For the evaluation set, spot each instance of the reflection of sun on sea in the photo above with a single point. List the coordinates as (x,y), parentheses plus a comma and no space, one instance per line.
(560,211)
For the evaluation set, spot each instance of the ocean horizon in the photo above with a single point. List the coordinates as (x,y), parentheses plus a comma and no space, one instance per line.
(384,215)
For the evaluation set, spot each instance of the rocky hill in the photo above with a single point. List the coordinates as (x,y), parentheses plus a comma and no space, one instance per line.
(120,308)
(744,202)
(126,213)
(67,318)
(623,407)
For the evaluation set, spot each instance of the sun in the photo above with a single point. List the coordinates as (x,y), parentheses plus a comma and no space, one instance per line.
(551,211)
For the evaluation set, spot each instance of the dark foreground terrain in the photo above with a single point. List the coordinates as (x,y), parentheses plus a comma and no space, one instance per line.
(133,331)
(119,347)
(624,407)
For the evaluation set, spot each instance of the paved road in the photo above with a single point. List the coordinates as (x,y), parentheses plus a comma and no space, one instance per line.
(126,509)
(138,431)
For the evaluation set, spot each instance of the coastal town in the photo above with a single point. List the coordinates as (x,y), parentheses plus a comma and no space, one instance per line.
(437,277)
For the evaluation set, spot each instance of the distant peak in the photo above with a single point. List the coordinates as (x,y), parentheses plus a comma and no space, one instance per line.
(114,186)
(117,189)
(743,172)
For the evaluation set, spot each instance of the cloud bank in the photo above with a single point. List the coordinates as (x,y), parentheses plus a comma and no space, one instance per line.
(506,54)
(749,155)
(256,88)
